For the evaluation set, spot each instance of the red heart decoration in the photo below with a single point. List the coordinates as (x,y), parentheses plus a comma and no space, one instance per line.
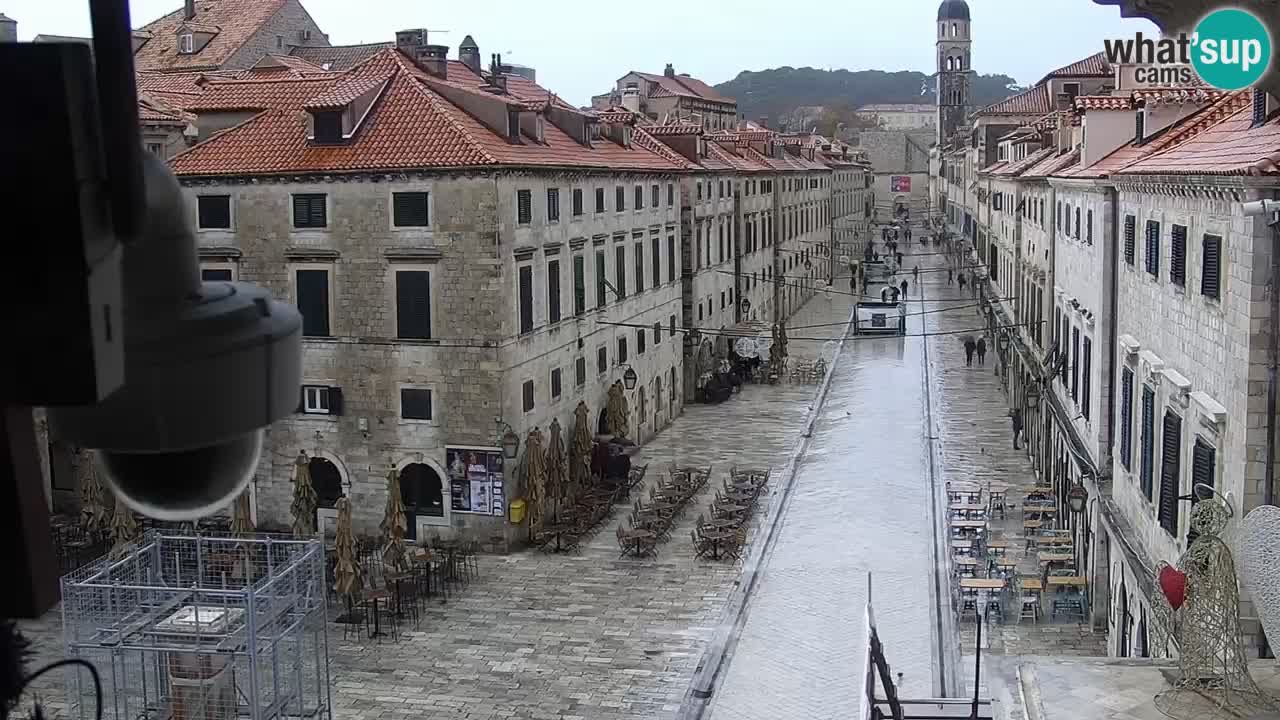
(1174,584)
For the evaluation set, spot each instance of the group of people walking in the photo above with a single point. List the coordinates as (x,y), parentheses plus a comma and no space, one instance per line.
(972,347)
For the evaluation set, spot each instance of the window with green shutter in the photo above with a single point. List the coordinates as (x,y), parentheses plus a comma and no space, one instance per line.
(553,291)
(310,210)
(1146,459)
(620,271)
(1086,369)
(602,297)
(409,209)
(1130,240)
(1178,255)
(655,247)
(1075,365)
(313,302)
(526,299)
(1151,256)
(553,204)
(671,258)
(413,304)
(1211,267)
(214,212)
(1170,472)
(579,285)
(1204,464)
(524,206)
(1126,418)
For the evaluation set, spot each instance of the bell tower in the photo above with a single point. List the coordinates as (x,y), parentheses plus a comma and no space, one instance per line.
(954,69)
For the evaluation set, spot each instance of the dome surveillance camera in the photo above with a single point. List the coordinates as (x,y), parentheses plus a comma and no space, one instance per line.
(208,366)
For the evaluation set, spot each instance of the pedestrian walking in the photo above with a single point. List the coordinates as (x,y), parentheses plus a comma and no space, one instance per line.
(903,285)
(982,350)
(951,277)
(898,255)
(1015,417)
(961,280)
(853,284)
(915,273)
(969,347)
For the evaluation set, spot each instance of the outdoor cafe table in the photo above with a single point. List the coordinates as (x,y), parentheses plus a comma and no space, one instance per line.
(1031,524)
(723,523)
(639,535)
(375,596)
(998,543)
(982,583)
(1068,581)
(961,544)
(556,531)
(1056,540)
(967,561)
(1032,584)
(967,507)
(715,537)
(670,492)
(740,497)
(969,524)
(729,508)
(1052,557)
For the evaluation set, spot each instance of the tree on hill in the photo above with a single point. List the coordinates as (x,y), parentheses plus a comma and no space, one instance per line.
(774,92)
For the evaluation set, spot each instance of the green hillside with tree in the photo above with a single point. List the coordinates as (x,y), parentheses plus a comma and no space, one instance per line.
(778,91)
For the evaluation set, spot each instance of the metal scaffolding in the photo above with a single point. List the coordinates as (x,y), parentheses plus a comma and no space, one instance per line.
(198,627)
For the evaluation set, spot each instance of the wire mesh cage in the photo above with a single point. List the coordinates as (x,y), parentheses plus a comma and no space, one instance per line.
(200,627)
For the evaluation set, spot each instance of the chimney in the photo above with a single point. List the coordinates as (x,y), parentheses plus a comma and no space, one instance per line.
(434,60)
(670,71)
(189,10)
(469,54)
(408,42)
(631,98)
(497,81)
(8,29)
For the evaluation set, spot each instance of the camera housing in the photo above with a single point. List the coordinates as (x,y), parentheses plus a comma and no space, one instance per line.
(207,367)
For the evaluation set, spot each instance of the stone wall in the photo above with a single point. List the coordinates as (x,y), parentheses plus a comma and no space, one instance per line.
(280,33)
(1216,350)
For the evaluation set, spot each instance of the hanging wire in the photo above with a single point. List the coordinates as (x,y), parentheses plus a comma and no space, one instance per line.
(93,672)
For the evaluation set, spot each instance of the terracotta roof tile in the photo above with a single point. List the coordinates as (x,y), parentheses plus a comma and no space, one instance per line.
(1160,96)
(1092,66)
(339,57)
(153,111)
(675,129)
(1126,155)
(1052,164)
(281,65)
(179,82)
(345,91)
(616,116)
(1034,101)
(686,86)
(1104,102)
(410,126)
(1230,147)
(1017,167)
(236,20)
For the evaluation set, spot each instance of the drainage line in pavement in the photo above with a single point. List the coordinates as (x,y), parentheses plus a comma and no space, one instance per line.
(718,654)
(942,628)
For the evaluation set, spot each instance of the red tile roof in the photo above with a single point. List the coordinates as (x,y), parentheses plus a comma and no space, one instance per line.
(1092,66)
(339,57)
(1158,96)
(1104,102)
(345,91)
(1017,167)
(675,129)
(410,126)
(1034,101)
(685,86)
(236,20)
(153,111)
(1128,154)
(280,66)
(1052,164)
(1230,147)
(179,82)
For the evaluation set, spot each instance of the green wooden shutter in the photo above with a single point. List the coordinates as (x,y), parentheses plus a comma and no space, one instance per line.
(1170,472)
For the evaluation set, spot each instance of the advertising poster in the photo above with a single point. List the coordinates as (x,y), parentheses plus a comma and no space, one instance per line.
(900,183)
(475,481)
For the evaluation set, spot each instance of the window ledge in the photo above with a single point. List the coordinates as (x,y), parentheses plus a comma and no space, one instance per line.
(218,253)
(414,254)
(418,341)
(305,253)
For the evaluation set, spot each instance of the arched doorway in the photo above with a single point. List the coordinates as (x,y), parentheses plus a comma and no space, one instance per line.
(657,399)
(326,480)
(643,406)
(422,492)
(671,398)
(1126,621)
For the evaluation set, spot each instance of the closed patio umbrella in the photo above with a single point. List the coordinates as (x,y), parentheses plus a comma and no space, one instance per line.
(580,450)
(95,516)
(304,499)
(347,579)
(535,478)
(124,528)
(393,526)
(616,410)
(556,470)
(241,517)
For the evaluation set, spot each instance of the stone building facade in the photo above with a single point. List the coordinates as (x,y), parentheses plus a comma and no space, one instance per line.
(671,98)
(453,289)
(223,35)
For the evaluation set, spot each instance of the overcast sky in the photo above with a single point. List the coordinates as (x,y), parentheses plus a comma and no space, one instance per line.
(578,54)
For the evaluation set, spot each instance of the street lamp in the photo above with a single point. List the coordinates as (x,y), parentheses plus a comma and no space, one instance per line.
(1003,342)
(746,306)
(1077,497)
(1033,396)
(629,378)
(509,441)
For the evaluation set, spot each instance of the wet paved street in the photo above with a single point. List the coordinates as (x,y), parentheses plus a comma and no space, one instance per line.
(858,506)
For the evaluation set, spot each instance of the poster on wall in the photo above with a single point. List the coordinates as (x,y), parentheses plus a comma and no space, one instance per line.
(900,183)
(475,481)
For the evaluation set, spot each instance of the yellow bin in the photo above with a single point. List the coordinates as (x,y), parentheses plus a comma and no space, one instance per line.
(517,511)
